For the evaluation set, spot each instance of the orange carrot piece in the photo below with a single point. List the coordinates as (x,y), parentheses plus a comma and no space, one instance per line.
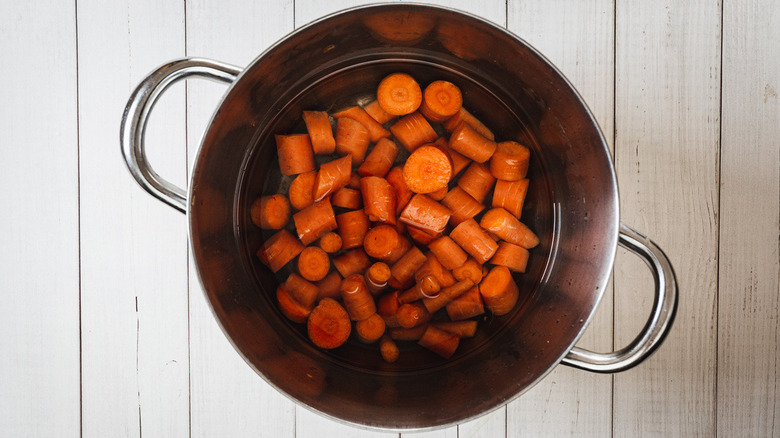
(446,295)
(356,297)
(462,205)
(279,249)
(427,170)
(477,181)
(388,349)
(441,100)
(354,261)
(378,199)
(313,263)
(301,290)
(510,195)
(412,314)
(514,257)
(413,131)
(328,325)
(329,286)
(402,193)
(474,240)
(449,253)
(439,195)
(347,198)
(301,191)
(426,287)
(314,221)
(440,342)
(506,226)
(403,247)
(295,154)
(352,138)
(466,306)
(270,212)
(387,307)
(354,181)
(510,161)
(375,129)
(380,160)
(420,236)
(433,267)
(399,94)
(380,241)
(293,310)
(467,141)
(369,330)
(459,162)
(499,290)
(403,270)
(470,270)
(330,242)
(425,214)
(408,334)
(320,131)
(464,116)
(353,226)
(377,277)
(332,176)
(461,329)
(377,113)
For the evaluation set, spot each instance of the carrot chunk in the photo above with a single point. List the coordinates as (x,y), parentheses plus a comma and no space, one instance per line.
(510,195)
(356,297)
(330,242)
(474,240)
(388,349)
(301,191)
(301,290)
(470,270)
(466,306)
(347,198)
(446,295)
(353,226)
(320,131)
(378,199)
(377,113)
(420,236)
(506,226)
(314,221)
(461,329)
(371,329)
(449,253)
(477,181)
(441,100)
(510,161)
(433,267)
(380,159)
(399,94)
(328,325)
(428,169)
(293,310)
(412,314)
(471,144)
(402,193)
(279,249)
(425,214)
(462,205)
(425,287)
(352,138)
(408,334)
(514,257)
(351,262)
(329,286)
(464,116)
(332,176)
(381,241)
(403,270)
(413,131)
(375,129)
(313,263)
(270,212)
(295,154)
(377,277)
(459,162)
(440,342)
(499,290)
(387,307)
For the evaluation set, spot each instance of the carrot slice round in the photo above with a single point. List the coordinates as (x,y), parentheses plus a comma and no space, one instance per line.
(441,100)
(328,324)
(428,169)
(399,94)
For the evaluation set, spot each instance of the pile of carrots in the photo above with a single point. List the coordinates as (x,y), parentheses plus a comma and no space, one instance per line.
(397,243)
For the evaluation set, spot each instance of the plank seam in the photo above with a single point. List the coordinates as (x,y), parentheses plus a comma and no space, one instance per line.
(717,237)
(78,219)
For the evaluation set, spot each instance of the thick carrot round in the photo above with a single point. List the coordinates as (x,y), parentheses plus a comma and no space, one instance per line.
(413,131)
(354,181)
(471,144)
(425,214)
(356,297)
(353,226)
(270,212)
(293,310)
(403,247)
(439,195)
(462,205)
(380,160)
(352,138)
(332,176)
(499,290)
(449,253)
(328,324)
(510,195)
(370,329)
(377,113)
(427,170)
(420,236)
(440,342)
(313,263)
(354,261)
(330,242)
(471,270)
(506,226)
(403,270)
(329,286)
(412,314)
(407,334)
(474,240)
(514,257)
(301,290)
(295,154)
(461,329)
(441,100)
(301,191)
(426,287)
(433,267)
(510,161)
(314,221)
(375,129)
(279,249)
(459,162)
(388,349)
(377,277)
(347,198)
(402,193)
(387,306)
(464,116)
(320,131)
(399,94)
(477,181)
(380,241)
(446,295)
(378,199)
(467,305)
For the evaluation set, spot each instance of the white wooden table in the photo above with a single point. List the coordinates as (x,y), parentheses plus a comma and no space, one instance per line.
(104,330)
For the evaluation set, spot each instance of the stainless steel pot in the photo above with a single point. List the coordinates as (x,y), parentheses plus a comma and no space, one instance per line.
(572,205)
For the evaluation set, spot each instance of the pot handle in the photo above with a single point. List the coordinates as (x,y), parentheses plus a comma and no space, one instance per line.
(132,130)
(657,326)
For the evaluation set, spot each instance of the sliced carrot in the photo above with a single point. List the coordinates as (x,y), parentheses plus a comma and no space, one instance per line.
(328,324)
(295,154)
(403,270)
(427,170)
(301,191)
(380,241)
(449,253)
(403,247)
(470,270)
(293,310)
(402,193)
(351,262)
(388,349)
(320,131)
(329,286)
(330,242)
(313,263)
(474,240)
(387,307)
(466,306)
(441,100)
(467,141)
(446,295)
(413,131)
(270,212)
(440,342)
(462,205)
(314,221)
(510,195)
(477,181)
(464,116)
(439,195)
(377,113)
(514,257)
(510,161)
(301,290)
(459,162)
(332,176)
(420,236)
(353,226)
(412,314)
(354,181)
(425,214)
(347,198)
(399,27)
(356,297)
(377,277)
(408,334)
(375,129)
(433,267)
(352,138)
(399,94)
(499,290)
(426,287)
(461,329)
(506,226)
(369,330)
(279,249)
(380,160)
(378,199)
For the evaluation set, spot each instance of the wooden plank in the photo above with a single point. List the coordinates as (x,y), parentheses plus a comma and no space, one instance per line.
(133,261)
(39,317)
(749,275)
(667,111)
(228,397)
(577,37)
